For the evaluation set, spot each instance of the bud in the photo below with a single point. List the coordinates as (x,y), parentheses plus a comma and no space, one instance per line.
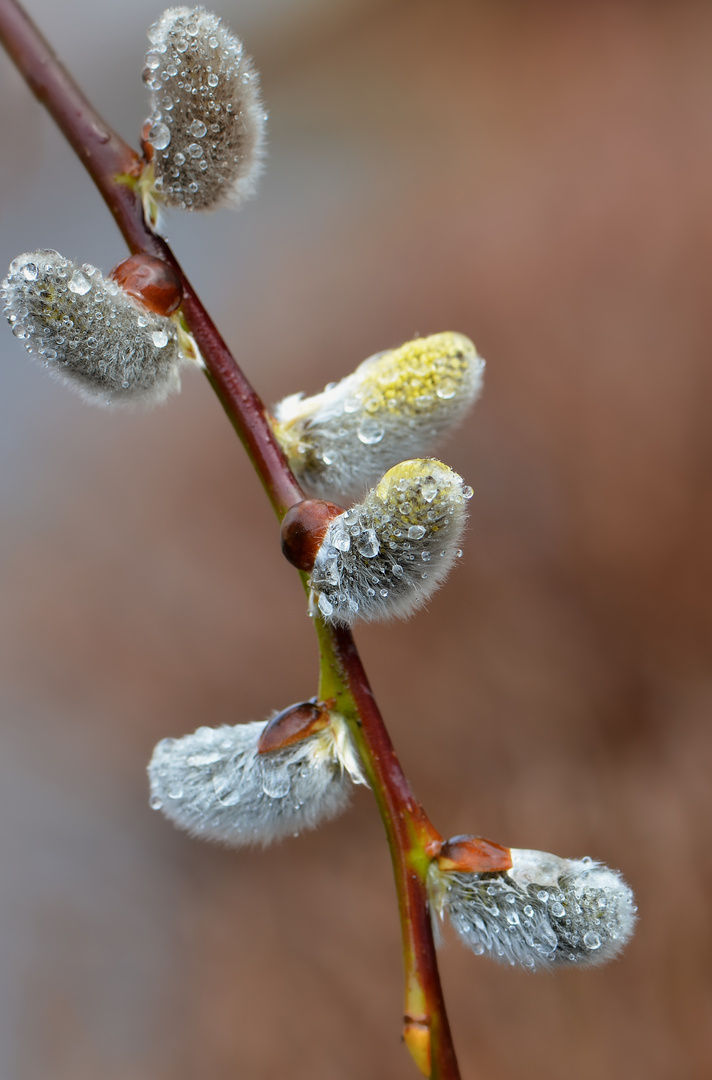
(205,136)
(89,332)
(543,911)
(395,405)
(417,1038)
(304,527)
(226,784)
(387,555)
(151,281)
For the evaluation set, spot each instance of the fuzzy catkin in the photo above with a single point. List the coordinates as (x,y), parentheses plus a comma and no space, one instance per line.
(215,785)
(89,332)
(397,404)
(543,912)
(207,127)
(387,555)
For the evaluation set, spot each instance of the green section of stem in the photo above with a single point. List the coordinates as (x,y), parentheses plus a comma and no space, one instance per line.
(405,833)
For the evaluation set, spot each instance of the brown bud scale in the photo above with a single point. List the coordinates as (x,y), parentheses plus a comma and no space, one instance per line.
(303,530)
(151,281)
(474,855)
(292,725)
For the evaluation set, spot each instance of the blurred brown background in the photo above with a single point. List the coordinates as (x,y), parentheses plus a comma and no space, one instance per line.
(537,175)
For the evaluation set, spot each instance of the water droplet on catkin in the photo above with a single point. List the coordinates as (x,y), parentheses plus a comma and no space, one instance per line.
(159,135)
(79,283)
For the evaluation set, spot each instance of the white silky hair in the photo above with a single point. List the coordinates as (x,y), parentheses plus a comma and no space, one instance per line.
(544,912)
(215,784)
(386,556)
(89,333)
(207,125)
(397,404)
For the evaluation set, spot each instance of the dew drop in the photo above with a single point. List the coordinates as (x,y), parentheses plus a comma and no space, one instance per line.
(195,150)
(591,940)
(159,135)
(197,128)
(478,948)
(275,782)
(370,431)
(29,272)
(226,792)
(529,911)
(367,544)
(79,283)
(558,909)
(447,389)
(155,803)
(209,757)
(429,490)
(175,790)
(341,540)
(179,159)
(416,532)
(543,895)
(467,492)
(325,606)
(159,338)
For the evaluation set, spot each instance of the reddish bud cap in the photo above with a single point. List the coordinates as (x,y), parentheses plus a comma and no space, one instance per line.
(151,281)
(473,855)
(303,530)
(292,725)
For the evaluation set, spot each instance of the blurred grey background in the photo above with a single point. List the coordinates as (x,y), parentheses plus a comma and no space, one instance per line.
(537,175)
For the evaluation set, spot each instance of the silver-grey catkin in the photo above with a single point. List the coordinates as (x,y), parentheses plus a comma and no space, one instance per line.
(387,555)
(89,332)
(215,785)
(397,404)
(207,125)
(544,912)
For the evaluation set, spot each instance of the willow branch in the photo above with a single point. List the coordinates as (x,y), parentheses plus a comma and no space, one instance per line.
(114,167)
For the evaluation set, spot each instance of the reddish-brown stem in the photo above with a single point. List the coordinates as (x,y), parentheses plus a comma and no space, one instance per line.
(114,166)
